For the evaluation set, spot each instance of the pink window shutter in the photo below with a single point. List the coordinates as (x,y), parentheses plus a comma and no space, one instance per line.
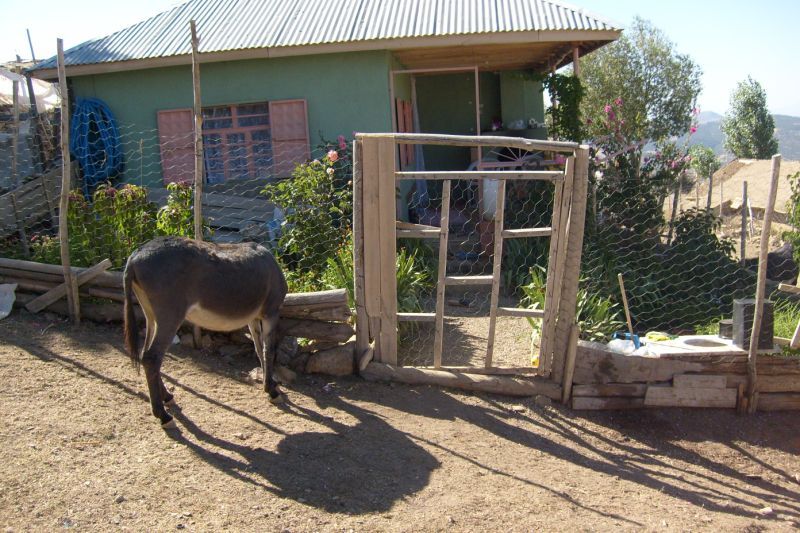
(290,144)
(176,140)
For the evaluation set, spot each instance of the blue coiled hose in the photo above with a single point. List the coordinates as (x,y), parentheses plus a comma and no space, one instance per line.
(94,142)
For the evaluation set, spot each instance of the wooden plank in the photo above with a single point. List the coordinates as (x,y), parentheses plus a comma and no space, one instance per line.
(768,383)
(61,290)
(521,313)
(507,385)
(583,403)
(440,286)
(752,381)
(388,249)
(595,364)
(470,140)
(497,260)
(491,371)
(468,280)
(778,402)
(544,175)
(558,238)
(703,381)
(416,317)
(315,329)
(785,287)
(418,233)
(362,325)
(690,397)
(566,313)
(527,232)
(569,369)
(372,261)
(622,390)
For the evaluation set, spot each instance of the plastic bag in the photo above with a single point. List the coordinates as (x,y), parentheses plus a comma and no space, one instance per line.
(7,297)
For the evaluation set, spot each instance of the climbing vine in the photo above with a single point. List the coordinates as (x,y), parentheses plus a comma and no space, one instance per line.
(564,117)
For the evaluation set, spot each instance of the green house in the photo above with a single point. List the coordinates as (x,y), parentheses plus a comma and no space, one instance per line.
(278,78)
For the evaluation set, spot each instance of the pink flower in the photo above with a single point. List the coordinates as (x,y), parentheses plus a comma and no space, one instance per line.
(618,101)
(560,159)
(333,156)
(607,109)
(342,142)
(693,129)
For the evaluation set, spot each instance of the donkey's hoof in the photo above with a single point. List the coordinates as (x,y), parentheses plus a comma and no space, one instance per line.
(169,424)
(278,400)
(170,402)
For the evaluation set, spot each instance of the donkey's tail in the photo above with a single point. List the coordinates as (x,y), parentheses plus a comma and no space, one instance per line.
(131,331)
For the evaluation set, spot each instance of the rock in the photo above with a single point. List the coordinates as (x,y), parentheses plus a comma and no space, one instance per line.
(542,401)
(287,349)
(780,264)
(282,375)
(298,364)
(206,343)
(766,511)
(333,362)
(187,339)
(240,336)
(119,499)
(231,350)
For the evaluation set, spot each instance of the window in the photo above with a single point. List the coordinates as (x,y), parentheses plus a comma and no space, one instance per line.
(254,140)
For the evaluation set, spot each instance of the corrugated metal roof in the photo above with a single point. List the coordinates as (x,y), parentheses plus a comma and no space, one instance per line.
(227,25)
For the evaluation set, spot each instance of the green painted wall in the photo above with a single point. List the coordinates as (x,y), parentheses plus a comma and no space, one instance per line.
(522,99)
(447,105)
(344,93)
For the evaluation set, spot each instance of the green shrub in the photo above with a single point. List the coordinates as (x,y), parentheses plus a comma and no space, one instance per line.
(598,316)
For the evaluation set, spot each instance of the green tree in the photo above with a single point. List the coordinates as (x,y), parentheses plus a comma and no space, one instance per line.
(705,163)
(748,127)
(642,69)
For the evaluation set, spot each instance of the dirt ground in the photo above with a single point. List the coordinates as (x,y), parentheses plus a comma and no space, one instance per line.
(81,450)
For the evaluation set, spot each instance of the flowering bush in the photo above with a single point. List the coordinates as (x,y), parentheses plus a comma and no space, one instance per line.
(317,206)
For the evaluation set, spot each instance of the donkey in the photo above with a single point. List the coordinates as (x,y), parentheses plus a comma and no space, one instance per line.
(220,287)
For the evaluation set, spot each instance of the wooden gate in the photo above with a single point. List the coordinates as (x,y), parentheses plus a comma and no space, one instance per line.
(376,229)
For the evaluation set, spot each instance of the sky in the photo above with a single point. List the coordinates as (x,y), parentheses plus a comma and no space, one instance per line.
(728,39)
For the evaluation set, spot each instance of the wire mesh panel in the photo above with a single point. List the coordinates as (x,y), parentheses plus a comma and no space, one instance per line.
(464,298)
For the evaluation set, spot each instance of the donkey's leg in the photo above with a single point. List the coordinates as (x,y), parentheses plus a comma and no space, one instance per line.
(151,328)
(151,360)
(256,333)
(269,325)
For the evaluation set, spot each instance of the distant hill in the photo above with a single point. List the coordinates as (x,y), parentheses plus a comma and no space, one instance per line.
(787,131)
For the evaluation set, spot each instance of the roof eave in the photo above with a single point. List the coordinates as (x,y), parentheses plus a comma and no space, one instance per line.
(599,37)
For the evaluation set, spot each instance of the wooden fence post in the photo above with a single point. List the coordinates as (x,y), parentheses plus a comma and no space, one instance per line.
(743,245)
(362,322)
(198,155)
(73,301)
(563,340)
(752,355)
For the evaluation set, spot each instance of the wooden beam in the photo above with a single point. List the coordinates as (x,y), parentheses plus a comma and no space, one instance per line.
(752,375)
(468,280)
(497,257)
(527,175)
(372,261)
(73,300)
(623,390)
(387,217)
(569,365)
(416,317)
(690,397)
(60,291)
(438,340)
(778,402)
(520,313)
(584,403)
(702,381)
(526,233)
(506,385)
(362,321)
(470,141)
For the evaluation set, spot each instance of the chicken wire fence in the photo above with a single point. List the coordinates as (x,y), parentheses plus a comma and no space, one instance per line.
(470,252)
(129,185)
(681,263)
